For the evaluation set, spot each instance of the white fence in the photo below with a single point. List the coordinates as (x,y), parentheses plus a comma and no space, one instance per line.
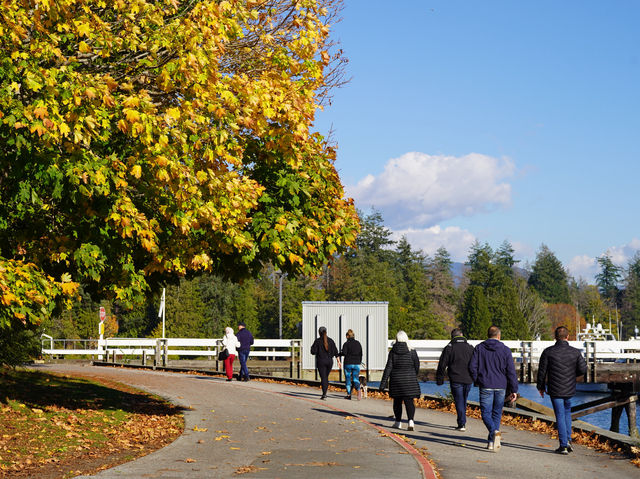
(428,350)
(109,347)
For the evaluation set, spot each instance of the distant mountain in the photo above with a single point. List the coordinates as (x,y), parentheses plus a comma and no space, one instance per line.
(459,269)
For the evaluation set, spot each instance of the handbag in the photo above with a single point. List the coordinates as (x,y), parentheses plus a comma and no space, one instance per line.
(222,355)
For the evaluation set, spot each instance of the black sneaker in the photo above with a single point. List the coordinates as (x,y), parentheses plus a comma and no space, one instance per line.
(461,428)
(569,448)
(348,396)
(562,450)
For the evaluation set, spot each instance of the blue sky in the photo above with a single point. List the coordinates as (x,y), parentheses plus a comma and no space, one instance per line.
(494,120)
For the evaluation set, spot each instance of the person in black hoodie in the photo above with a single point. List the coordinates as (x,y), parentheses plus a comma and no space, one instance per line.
(352,354)
(454,361)
(558,368)
(401,378)
(324,349)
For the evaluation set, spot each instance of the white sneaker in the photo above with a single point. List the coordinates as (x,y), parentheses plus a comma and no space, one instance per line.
(411,425)
(490,445)
(496,441)
(397,425)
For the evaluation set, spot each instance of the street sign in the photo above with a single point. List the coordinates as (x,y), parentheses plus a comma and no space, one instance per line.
(103,314)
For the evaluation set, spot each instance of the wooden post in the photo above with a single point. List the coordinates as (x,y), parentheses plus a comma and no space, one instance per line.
(522,366)
(631,416)
(157,355)
(616,412)
(293,358)
(530,363)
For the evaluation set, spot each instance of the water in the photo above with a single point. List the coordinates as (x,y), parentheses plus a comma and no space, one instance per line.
(584,394)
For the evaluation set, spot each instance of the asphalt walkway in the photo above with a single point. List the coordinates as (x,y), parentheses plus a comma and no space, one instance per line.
(273,430)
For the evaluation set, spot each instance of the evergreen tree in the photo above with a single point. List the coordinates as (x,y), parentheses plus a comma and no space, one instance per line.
(479,263)
(548,278)
(631,298)
(504,258)
(475,317)
(608,278)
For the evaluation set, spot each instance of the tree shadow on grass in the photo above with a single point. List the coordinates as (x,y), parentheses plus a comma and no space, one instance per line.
(36,389)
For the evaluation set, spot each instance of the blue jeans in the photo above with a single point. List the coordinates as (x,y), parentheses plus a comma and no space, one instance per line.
(491,404)
(562,408)
(243,355)
(460,392)
(352,373)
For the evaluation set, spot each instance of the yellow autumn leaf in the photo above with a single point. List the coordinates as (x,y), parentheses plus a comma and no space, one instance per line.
(136,171)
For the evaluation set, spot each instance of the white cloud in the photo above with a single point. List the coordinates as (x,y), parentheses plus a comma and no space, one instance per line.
(583,266)
(621,255)
(586,267)
(456,240)
(420,190)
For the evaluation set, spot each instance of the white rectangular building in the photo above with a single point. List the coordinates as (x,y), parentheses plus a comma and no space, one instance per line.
(367,319)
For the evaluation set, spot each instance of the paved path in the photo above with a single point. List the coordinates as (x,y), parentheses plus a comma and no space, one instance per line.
(283,431)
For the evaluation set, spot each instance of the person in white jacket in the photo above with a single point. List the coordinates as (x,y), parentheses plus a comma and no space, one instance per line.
(230,343)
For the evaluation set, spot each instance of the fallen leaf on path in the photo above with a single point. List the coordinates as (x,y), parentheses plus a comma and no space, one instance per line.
(188,459)
(247,469)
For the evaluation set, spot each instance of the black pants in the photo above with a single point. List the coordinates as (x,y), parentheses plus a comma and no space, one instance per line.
(408,405)
(324,370)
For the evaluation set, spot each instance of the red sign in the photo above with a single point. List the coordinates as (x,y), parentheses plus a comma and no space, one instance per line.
(103,313)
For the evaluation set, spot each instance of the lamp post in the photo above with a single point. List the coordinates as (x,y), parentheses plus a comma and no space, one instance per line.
(282,276)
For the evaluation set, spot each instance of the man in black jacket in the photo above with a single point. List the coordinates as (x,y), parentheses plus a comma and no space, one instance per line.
(558,369)
(454,361)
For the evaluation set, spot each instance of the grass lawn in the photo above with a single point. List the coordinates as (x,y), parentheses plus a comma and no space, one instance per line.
(57,426)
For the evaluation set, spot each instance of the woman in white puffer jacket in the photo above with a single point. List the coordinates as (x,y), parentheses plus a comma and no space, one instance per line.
(231,343)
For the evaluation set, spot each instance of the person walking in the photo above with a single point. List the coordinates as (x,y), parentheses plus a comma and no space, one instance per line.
(492,369)
(246,340)
(324,349)
(401,378)
(454,362)
(558,368)
(352,354)
(230,343)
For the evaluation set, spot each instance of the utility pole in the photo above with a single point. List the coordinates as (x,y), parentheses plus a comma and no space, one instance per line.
(282,276)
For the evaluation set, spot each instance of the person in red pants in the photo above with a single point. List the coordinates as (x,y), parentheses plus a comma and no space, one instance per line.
(231,343)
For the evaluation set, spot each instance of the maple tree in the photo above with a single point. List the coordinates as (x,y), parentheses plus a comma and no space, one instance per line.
(146,140)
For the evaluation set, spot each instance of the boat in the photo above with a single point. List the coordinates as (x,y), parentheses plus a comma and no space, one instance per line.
(595,333)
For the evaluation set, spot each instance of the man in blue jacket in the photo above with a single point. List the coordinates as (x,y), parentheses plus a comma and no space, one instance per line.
(558,369)
(492,369)
(246,340)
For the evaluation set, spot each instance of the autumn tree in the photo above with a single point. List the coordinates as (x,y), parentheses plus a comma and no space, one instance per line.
(144,141)
(565,315)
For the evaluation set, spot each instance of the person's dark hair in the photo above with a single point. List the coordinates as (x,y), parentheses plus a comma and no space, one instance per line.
(456,332)
(323,334)
(493,332)
(562,333)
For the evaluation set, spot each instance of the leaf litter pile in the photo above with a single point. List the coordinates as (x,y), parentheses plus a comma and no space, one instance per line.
(57,426)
